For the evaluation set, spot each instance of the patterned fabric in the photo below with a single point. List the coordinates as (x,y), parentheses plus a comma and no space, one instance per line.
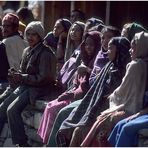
(97,136)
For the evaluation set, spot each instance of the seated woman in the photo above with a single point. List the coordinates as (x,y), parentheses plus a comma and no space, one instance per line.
(57,40)
(95,100)
(74,40)
(102,57)
(35,79)
(127,99)
(51,39)
(89,49)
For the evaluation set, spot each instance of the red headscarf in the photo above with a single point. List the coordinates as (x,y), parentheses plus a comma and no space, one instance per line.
(11,18)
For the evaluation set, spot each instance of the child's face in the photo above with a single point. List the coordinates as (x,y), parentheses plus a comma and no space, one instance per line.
(107,35)
(89,46)
(76,33)
(111,51)
(58,29)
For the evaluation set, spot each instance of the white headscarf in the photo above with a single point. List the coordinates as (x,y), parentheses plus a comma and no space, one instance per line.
(141,40)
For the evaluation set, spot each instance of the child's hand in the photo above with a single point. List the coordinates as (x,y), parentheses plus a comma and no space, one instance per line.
(82,79)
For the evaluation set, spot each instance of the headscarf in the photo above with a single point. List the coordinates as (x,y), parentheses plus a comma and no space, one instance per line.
(11,18)
(122,54)
(92,22)
(141,40)
(37,27)
(135,28)
(96,36)
(69,45)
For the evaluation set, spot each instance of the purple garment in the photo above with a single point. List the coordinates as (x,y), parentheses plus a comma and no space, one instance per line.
(48,118)
(101,59)
(51,41)
(100,62)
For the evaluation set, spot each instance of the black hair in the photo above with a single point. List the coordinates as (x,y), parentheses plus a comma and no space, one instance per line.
(81,13)
(25,14)
(114,30)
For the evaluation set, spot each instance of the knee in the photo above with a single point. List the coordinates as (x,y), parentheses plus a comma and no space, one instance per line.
(127,128)
(121,123)
(78,131)
(61,114)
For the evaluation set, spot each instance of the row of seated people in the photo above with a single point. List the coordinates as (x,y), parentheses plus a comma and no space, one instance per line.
(93,72)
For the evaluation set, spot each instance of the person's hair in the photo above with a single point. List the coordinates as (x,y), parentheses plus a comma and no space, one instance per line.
(25,14)
(97,28)
(114,30)
(81,14)
(65,23)
(127,25)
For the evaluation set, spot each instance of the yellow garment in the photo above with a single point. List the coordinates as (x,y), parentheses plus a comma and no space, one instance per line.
(22,27)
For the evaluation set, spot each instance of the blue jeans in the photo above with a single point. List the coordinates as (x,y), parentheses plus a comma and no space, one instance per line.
(125,133)
(11,109)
